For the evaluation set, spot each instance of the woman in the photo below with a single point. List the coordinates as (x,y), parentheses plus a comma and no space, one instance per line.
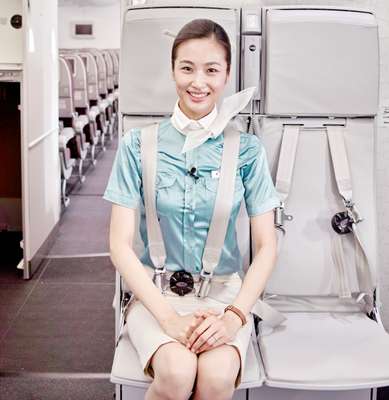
(187,344)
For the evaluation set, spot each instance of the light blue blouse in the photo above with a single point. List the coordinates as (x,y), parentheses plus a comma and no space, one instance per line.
(185,204)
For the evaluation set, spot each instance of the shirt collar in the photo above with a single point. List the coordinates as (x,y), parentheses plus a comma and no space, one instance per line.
(182,121)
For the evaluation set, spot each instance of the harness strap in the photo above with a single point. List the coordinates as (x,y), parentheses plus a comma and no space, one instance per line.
(286,161)
(343,180)
(223,202)
(149,140)
(220,216)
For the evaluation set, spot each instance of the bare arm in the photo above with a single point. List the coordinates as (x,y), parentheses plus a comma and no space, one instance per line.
(265,250)
(130,268)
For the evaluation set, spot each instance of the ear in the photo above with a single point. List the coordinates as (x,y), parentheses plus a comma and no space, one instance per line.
(227,77)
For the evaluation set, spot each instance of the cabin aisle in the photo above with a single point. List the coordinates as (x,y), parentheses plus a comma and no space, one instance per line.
(57,329)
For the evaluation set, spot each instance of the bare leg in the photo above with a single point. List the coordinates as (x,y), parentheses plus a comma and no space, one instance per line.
(175,370)
(217,370)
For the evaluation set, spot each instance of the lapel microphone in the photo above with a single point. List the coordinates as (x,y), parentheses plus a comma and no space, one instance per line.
(192,173)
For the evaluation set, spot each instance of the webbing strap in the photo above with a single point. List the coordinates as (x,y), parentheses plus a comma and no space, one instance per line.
(343,180)
(224,200)
(149,140)
(340,161)
(287,160)
(341,266)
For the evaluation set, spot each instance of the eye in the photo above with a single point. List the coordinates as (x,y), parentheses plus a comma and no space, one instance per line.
(186,68)
(212,70)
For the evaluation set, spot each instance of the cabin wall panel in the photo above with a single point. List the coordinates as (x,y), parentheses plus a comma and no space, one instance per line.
(106,26)
(11,39)
(41,168)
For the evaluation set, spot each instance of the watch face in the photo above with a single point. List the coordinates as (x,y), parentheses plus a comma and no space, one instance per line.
(16,21)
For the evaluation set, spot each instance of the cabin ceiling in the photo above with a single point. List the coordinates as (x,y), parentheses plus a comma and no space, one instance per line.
(79,3)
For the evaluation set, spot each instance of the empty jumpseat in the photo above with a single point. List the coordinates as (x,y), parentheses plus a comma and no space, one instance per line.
(319,132)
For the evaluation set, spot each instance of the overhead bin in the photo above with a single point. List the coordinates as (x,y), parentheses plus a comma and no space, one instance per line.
(150,57)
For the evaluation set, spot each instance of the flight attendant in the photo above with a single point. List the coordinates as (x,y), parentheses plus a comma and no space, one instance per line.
(185,343)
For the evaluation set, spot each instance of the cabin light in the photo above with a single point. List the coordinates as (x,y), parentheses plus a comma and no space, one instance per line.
(138,2)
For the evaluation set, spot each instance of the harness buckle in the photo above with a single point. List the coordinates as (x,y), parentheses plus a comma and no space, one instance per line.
(352,211)
(280,217)
(205,284)
(181,283)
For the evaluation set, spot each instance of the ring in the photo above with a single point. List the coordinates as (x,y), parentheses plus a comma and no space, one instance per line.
(214,339)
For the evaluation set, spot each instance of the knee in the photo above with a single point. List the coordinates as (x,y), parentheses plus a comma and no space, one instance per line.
(214,384)
(176,380)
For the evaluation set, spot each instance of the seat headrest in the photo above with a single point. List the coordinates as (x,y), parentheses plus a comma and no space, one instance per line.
(321,62)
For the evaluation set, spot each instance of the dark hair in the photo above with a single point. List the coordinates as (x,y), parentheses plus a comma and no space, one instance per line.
(200,29)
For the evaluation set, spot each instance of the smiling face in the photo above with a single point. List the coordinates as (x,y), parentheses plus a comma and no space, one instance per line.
(200,73)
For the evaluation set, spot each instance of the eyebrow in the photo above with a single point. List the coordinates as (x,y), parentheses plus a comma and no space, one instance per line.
(208,63)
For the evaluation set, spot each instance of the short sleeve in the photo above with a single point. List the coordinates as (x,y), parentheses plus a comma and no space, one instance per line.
(124,185)
(260,194)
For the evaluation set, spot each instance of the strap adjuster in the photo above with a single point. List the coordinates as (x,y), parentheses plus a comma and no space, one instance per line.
(159,278)
(205,284)
(280,217)
(352,211)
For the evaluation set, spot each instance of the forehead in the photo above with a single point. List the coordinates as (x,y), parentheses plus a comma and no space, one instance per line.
(201,51)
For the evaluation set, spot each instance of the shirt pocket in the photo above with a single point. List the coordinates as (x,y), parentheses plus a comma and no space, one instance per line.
(168,195)
(212,184)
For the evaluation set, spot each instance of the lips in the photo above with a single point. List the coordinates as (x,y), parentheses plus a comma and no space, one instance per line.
(197,96)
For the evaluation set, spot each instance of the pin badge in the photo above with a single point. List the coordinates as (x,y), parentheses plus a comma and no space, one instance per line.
(215,174)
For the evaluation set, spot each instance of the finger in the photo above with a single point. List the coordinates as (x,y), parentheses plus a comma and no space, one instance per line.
(205,338)
(218,342)
(199,330)
(192,326)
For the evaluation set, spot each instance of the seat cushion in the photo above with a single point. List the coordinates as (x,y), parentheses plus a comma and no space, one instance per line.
(326,351)
(126,369)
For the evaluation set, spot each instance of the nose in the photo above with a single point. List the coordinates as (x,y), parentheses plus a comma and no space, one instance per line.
(199,81)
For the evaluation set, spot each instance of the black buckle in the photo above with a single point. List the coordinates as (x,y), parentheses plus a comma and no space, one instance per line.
(181,283)
(342,223)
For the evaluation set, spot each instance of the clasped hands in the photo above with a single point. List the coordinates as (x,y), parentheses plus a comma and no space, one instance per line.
(204,329)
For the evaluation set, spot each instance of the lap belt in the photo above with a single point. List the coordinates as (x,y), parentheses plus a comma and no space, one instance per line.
(219,221)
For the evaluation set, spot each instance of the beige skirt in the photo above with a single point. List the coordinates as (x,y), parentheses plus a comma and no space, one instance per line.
(147,336)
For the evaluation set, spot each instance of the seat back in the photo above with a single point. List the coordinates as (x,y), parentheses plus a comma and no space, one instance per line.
(319,86)
(157,27)
(80,81)
(110,69)
(92,74)
(115,60)
(66,105)
(102,72)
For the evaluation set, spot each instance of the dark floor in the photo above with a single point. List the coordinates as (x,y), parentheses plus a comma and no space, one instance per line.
(57,329)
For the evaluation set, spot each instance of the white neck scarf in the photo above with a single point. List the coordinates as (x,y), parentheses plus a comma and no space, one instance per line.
(213,124)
